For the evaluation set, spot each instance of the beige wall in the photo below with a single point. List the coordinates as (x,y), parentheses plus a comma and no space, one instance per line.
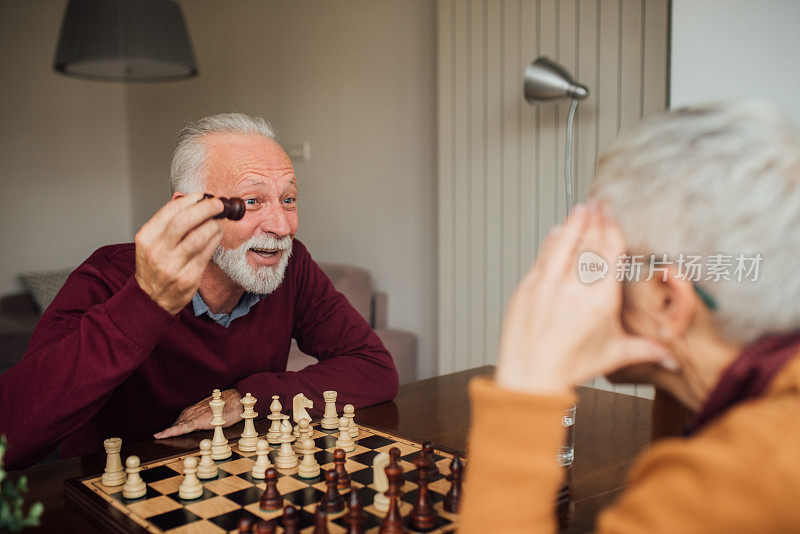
(356,79)
(63,145)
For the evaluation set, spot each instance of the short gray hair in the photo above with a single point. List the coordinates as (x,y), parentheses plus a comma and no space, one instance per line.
(187,172)
(716,179)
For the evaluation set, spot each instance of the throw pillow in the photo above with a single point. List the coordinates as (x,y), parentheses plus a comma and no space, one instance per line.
(43,286)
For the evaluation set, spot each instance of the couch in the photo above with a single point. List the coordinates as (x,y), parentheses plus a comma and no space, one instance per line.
(19,314)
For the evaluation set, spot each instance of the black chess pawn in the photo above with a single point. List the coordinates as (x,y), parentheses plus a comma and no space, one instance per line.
(271,500)
(232,208)
(245,525)
(332,501)
(423,516)
(355,513)
(393,522)
(290,520)
(320,520)
(265,527)
(428,450)
(342,478)
(453,497)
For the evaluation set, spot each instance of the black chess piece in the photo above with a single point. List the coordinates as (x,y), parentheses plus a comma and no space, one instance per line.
(423,516)
(245,525)
(320,520)
(342,478)
(271,500)
(265,527)
(355,513)
(332,501)
(428,450)
(453,497)
(233,208)
(393,522)
(290,520)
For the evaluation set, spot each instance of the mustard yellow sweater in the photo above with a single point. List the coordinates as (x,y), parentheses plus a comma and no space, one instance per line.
(741,473)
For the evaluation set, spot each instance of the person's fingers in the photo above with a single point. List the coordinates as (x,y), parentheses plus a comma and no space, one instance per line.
(159,221)
(194,267)
(196,241)
(563,251)
(189,218)
(177,430)
(629,350)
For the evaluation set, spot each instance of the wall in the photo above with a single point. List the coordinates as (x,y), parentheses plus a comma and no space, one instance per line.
(64,169)
(501,161)
(356,80)
(736,49)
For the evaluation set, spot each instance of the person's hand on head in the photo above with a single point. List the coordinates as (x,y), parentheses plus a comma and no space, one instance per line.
(559,331)
(198,416)
(174,247)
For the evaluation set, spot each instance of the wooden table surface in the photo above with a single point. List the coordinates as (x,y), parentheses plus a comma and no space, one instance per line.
(611,430)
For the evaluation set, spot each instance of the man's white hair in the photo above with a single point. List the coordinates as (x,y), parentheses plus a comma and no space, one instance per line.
(188,170)
(716,179)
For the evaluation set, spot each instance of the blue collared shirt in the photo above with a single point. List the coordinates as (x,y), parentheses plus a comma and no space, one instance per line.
(247,301)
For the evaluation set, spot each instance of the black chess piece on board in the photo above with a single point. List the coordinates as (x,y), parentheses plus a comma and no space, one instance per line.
(271,500)
(332,501)
(393,522)
(453,497)
(290,520)
(423,516)
(320,520)
(265,527)
(355,513)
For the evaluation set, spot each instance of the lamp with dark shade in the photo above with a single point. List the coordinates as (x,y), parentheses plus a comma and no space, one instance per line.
(125,40)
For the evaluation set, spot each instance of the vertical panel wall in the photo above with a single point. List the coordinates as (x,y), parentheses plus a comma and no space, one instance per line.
(501,161)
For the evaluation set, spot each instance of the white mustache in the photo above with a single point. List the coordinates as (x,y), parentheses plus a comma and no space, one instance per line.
(268,241)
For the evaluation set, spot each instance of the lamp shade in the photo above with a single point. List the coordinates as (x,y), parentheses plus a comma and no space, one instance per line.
(546,81)
(125,40)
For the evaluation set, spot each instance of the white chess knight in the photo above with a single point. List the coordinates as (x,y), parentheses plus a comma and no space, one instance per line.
(285,458)
(190,488)
(299,405)
(262,460)
(249,436)
(330,419)
(276,417)
(220,449)
(309,467)
(206,468)
(134,486)
(114,474)
(345,442)
(380,482)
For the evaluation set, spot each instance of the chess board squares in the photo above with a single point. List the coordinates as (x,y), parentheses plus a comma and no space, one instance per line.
(405,449)
(150,494)
(246,496)
(236,467)
(308,496)
(161,472)
(173,519)
(405,509)
(167,485)
(325,442)
(375,442)
(349,465)
(106,489)
(207,494)
(411,496)
(439,507)
(411,476)
(212,507)
(155,506)
(230,520)
(198,527)
(226,484)
(413,456)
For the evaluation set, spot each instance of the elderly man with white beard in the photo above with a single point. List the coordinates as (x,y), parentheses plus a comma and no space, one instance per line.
(142,332)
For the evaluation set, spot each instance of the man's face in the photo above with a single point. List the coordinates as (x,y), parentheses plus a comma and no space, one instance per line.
(254,250)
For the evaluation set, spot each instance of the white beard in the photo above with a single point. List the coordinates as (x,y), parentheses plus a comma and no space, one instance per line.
(260,280)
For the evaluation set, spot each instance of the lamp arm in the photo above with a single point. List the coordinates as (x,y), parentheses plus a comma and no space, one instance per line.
(568,162)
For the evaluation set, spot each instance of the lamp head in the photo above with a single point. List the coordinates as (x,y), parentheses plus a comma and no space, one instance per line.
(547,81)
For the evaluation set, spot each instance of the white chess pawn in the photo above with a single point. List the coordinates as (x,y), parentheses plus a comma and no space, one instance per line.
(276,417)
(262,460)
(309,467)
(303,433)
(249,435)
(206,468)
(190,488)
(114,474)
(285,458)
(134,486)
(380,482)
(220,449)
(330,419)
(350,413)
(345,442)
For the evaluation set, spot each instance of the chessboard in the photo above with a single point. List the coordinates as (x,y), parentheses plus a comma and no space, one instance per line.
(234,493)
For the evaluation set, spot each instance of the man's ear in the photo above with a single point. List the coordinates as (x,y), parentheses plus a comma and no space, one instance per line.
(659,308)
(177,194)
(679,304)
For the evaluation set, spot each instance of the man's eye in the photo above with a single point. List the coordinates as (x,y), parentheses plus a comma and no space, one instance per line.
(251,202)
(290,200)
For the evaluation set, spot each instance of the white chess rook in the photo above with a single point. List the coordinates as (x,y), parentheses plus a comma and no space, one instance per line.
(345,442)
(249,436)
(190,488)
(206,468)
(114,474)
(330,419)
(134,487)
(276,417)
(220,449)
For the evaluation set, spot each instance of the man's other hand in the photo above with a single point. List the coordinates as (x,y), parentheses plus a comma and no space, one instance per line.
(174,247)
(198,416)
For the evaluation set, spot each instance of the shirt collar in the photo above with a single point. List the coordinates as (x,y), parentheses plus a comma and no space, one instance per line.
(247,301)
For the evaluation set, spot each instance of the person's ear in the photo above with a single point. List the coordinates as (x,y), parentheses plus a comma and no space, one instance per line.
(177,194)
(660,308)
(678,306)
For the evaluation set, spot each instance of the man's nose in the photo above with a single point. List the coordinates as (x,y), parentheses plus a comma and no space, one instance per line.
(275,220)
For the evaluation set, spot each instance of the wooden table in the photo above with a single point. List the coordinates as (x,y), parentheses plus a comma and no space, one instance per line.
(611,429)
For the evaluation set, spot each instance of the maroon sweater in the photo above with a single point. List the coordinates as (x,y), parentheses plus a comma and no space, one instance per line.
(105,360)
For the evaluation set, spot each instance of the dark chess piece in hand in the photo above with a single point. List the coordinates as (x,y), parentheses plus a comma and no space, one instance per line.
(290,520)
(320,520)
(271,500)
(393,522)
(233,208)
(355,513)
(342,478)
(423,516)
(332,501)
(453,497)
